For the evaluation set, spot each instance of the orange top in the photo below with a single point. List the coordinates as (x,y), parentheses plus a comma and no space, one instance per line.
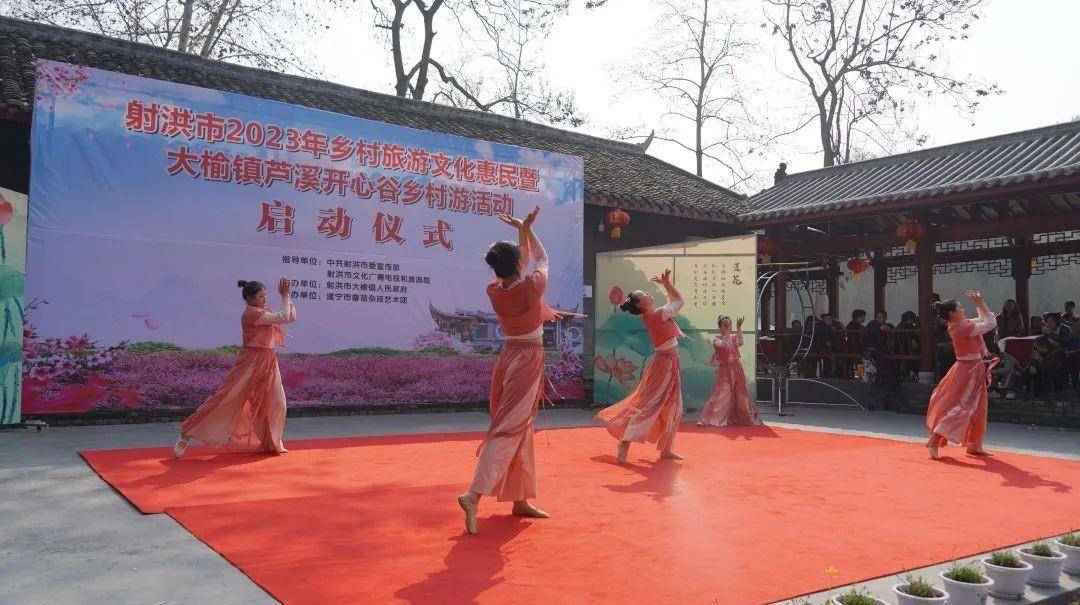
(521,307)
(262,326)
(661,329)
(967,337)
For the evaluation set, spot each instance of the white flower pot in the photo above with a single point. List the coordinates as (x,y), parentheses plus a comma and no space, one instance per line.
(963,593)
(1046,570)
(1009,582)
(836,600)
(1072,558)
(903,598)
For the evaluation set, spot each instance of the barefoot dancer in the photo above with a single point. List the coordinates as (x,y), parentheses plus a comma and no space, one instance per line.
(506,465)
(729,402)
(653,411)
(247,412)
(957,411)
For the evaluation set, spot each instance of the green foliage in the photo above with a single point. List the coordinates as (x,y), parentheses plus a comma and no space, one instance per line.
(919,587)
(856,597)
(438,351)
(1004,558)
(1042,549)
(230,349)
(1072,539)
(607,392)
(966,574)
(152,347)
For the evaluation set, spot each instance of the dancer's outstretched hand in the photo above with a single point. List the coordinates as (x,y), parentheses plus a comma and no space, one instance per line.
(664,278)
(975,296)
(531,217)
(739,322)
(516,223)
(283,287)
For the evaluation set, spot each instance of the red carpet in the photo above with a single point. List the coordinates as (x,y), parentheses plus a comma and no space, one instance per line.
(754,515)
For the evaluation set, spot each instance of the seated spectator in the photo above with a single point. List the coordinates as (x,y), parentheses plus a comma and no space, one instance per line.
(1048,366)
(875,334)
(1070,318)
(855,332)
(1008,374)
(907,343)
(832,333)
(1010,322)
(1055,329)
(1035,326)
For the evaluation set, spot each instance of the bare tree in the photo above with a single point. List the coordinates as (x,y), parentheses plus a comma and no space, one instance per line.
(694,67)
(864,62)
(495,64)
(260,33)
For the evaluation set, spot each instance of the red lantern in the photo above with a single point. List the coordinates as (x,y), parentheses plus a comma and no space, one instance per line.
(857,265)
(6,212)
(765,247)
(615,220)
(910,231)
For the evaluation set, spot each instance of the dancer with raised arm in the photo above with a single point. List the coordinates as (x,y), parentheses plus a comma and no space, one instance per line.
(506,467)
(729,402)
(957,411)
(653,411)
(247,412)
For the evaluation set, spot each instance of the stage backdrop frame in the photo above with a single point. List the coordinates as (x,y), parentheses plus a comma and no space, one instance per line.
(715,277)
(150,199)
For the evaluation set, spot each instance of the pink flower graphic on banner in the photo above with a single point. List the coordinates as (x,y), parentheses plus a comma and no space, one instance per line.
(620,369)
(615,297)
(58,81)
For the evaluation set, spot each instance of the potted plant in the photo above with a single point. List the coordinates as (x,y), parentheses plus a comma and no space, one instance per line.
(917,591)
(966,585)
(855,597)
(1046,563)
(1070,546)
(1009,574)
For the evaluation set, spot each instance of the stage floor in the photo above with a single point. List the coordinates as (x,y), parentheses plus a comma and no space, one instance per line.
(753,515)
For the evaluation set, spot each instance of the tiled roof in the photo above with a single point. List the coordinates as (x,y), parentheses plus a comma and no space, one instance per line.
(1032,155)
(616,173)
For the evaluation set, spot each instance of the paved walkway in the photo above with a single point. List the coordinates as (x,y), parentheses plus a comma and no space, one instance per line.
(67,538)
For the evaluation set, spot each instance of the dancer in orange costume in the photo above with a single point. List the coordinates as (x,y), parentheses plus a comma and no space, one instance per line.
(506,467)
(957,411)
(729,402)
(653,411)
(247,412)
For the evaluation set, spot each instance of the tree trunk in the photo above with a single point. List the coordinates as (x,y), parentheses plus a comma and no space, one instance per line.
(185,26)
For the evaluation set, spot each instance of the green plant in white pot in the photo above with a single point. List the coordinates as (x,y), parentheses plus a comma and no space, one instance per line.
(1069,545)
(917,591)
(966,585)
(855,597)
(1045,562)
(1009,573)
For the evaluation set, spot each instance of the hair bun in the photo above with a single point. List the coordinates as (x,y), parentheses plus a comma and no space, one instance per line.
(241,284)
(626,304)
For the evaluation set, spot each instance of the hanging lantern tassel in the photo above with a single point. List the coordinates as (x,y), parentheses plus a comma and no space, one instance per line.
(857,265)
(1032,263)
(615,220)
(910,231)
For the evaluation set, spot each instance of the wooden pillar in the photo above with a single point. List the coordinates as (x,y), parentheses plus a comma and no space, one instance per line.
(924,258)
(832,288)
(766,302)
(779,235)
(881,273)
(1021,270)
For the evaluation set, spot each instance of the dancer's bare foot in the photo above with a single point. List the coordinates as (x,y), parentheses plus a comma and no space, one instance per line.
(670,455)
(700,423)
(527,509)
(467,504)
(932,446)
(621,451)
(180,447)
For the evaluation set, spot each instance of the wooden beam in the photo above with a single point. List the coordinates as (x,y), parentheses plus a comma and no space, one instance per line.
(832,288)
(1031,250)
(1021,270)
(1061,221)
(779,235)
(880,279)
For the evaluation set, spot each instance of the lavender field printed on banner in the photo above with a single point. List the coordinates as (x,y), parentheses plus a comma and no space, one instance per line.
(157,377)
